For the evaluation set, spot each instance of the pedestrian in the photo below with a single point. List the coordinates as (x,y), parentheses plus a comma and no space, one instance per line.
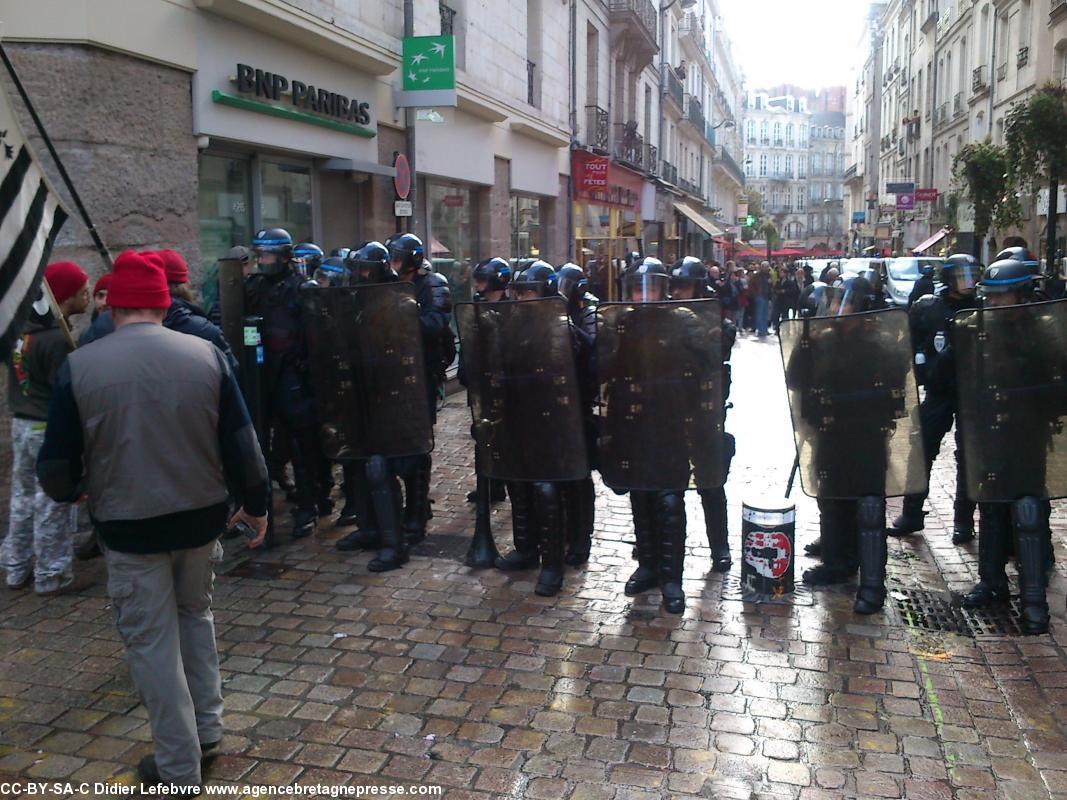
(762,298)
(100,295)
(154,424)
(40,543)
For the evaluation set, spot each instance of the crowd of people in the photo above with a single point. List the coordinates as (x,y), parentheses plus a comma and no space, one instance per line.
(98,423)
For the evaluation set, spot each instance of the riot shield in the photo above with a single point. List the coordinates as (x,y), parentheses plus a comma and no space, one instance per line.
(855,404)
(522,388)
(661,392)
(1011,375)
(367,370)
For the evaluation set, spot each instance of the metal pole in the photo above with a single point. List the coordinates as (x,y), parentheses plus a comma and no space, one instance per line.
(101,249)
(409,129)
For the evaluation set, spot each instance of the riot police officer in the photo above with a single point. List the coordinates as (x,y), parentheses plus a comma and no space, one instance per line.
(1010,439)
(367,264)
(307,257)
(407,257)
(931,335)
(273,293)
(690,281)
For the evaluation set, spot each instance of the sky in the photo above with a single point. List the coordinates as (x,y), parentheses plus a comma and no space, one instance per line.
(809,43)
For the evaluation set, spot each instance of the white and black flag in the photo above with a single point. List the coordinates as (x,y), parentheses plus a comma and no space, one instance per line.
(31,215)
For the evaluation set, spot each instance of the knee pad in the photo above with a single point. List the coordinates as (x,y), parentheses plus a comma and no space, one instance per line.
(871,513)
(1027,513)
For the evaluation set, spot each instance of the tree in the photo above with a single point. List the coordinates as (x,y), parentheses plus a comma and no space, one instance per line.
(1036,137)
(769,231)
(755,208)
(981,173)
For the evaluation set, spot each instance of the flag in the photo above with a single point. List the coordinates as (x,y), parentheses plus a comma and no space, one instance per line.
(31,215)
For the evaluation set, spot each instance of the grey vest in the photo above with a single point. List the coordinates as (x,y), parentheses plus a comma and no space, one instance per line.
(148,399)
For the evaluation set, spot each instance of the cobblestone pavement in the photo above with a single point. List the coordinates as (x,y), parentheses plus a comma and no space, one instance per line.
(437,675)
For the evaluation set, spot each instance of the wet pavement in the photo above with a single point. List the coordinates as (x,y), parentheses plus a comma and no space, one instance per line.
(440,676)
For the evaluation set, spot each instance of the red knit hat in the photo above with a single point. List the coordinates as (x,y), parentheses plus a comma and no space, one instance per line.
(65,279)
(102,283)
(138,281)
(175,267)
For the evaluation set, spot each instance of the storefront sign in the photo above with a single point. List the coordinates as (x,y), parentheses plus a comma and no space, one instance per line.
(859,216)
(402,208)
(905,202)
(926,195)
(903,187)
(303,102)
(428,71)
(597,180)
(452,200)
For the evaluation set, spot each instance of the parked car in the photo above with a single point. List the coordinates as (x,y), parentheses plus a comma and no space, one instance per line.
(901,274)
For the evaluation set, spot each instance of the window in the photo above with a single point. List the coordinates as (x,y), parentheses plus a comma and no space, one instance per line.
(763,131)
(800,199)
(525,226)
(777,166)
(763,166)
(816,164)
(789,166)
(285,198)
(789,134)
(748,167)
(453,218)
(750,131)
(225,204)
(802,166)
(777,133)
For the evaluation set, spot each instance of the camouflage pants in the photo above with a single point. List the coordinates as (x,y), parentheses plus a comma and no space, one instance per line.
(39,536)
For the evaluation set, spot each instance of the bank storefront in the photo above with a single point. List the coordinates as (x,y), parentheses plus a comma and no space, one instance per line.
(285,138)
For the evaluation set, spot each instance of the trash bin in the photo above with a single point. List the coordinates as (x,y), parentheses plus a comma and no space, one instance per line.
(768,539)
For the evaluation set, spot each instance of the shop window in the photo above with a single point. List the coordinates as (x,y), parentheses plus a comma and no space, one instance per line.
(525,227)
(285,199)
(224,204)
(453,234)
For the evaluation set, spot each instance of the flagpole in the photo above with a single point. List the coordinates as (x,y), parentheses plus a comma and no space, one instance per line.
(57,312)
(100,247)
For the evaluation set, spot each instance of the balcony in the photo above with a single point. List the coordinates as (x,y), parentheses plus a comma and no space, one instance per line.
(765,141)
(941,115)
(1022,57)
(691,30)
(633,31)
(980,79)
(850,173)
(629,145)
(448,19)
(726,161)
(1002,71)
(691,187)
(1057,10)
(651,159)
(673,85)
(531,83)
(694,113)
(957,104)
(596,128)
(668,172)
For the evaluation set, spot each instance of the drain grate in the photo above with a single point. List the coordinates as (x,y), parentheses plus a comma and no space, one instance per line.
(938,611)
(258,570)
(732,589)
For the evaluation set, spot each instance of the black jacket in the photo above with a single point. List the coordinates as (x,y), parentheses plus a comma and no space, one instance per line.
(39,352)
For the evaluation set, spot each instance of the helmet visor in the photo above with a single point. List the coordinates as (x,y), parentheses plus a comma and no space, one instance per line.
(837,301)
(328,276)
(528,290)
(646,288)
(687,288)
(569,284)
(962,278)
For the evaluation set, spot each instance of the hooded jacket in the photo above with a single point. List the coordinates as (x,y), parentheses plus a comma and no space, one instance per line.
(37,356)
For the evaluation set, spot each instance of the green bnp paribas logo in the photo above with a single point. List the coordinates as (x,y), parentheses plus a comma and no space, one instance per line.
(429,63)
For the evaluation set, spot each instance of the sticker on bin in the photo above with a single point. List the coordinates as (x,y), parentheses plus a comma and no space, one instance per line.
(768,518)
(252,336)
(769,553)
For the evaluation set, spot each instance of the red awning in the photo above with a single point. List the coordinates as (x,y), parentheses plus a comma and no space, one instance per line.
(937,237)
(788,252)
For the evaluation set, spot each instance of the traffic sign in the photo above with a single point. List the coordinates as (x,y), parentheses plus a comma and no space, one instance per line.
(402,178)
(402,208)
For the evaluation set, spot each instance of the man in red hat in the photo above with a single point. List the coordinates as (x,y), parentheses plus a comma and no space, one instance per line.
(160,501)
(39,543)
(100,294)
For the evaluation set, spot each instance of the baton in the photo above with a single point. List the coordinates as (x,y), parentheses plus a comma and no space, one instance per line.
(792,475)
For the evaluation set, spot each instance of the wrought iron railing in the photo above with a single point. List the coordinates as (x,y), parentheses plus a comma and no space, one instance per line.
(629,144)
(531,82)
(675,90)
(668,172)
(641,10)
(448,19)
(694,112)
(731,165)
(596,127)
(980,77)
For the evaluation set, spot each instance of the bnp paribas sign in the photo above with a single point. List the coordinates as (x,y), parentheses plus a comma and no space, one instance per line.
(428,72)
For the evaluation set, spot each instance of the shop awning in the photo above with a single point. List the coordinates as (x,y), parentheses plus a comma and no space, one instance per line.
(937,237)
(698,219)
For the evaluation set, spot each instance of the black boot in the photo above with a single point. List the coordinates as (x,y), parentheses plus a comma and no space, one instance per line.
(548,518)
(357,509)
(714,502)
(963,520)
(911,518)
(814,549)
(837,537)
(671,507)
(417,509)
(482,552)
(1031,554)
(873,554)
(646,576)
(580,499)
(994,536)
(385,497)
(304,522)
(497,493)
(525,555)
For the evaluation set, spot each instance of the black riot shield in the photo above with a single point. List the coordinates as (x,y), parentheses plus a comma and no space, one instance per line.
(523,390)
(855,404)
(661,393)
(1011,370)
(367,373)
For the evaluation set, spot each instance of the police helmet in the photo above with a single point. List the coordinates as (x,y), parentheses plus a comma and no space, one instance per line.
(538,278)
(330,272)
(1019,254)
(407,250)
(852,296)
(647,281)
(572,281)
(690,273)
(1007,275)
(273,248)
(495,273)
(369,263)
(308,252)
(341,252)
(960,273)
